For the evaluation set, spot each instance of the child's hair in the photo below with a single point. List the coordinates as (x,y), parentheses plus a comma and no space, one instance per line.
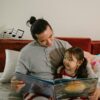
(81,72)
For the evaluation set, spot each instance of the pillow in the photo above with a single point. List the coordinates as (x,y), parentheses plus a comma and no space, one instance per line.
(11,61)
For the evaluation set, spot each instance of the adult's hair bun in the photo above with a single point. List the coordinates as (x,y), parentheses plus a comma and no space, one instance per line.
(32,20)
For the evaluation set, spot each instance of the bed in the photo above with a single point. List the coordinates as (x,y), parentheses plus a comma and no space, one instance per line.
(10,47)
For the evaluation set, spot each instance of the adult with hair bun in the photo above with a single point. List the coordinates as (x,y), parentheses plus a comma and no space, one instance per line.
(41,57)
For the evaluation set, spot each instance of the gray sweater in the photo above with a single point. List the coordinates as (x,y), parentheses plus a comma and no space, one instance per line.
(41,61)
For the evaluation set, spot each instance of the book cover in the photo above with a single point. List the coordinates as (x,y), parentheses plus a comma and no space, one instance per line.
(60,88)
(75,87)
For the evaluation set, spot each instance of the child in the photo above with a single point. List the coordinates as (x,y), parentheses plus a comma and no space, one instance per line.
(75,65)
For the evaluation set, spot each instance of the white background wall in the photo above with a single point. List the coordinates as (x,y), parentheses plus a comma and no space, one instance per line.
(70,18)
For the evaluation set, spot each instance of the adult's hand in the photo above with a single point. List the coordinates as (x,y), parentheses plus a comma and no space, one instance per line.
(16,85)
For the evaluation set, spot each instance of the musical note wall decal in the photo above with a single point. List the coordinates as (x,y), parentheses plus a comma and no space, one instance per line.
(14,35)
(4,33)
(22,33)
(19,33)
(11,31)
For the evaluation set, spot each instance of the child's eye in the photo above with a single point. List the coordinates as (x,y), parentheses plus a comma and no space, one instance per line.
(65,57)
(70,59)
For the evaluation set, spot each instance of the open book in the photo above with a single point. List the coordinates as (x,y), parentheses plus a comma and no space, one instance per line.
(60,88)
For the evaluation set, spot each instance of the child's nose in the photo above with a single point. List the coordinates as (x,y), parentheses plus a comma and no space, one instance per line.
(66,62)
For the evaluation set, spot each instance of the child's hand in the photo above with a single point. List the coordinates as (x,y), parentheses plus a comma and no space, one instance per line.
(95,95)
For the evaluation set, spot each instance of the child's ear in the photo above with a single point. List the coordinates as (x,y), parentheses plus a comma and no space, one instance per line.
(79,63)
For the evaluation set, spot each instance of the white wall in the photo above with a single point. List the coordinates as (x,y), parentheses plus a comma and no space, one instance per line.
(70,18)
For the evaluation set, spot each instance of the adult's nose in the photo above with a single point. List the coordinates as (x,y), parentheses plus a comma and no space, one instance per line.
(49,42)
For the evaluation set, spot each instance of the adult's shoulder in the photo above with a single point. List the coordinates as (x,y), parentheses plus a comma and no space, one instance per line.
(28,47)
(63,43)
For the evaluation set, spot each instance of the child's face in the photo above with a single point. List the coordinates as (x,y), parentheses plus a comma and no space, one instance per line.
(70,62)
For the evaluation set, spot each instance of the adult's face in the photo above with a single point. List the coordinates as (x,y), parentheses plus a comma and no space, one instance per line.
(45,38)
